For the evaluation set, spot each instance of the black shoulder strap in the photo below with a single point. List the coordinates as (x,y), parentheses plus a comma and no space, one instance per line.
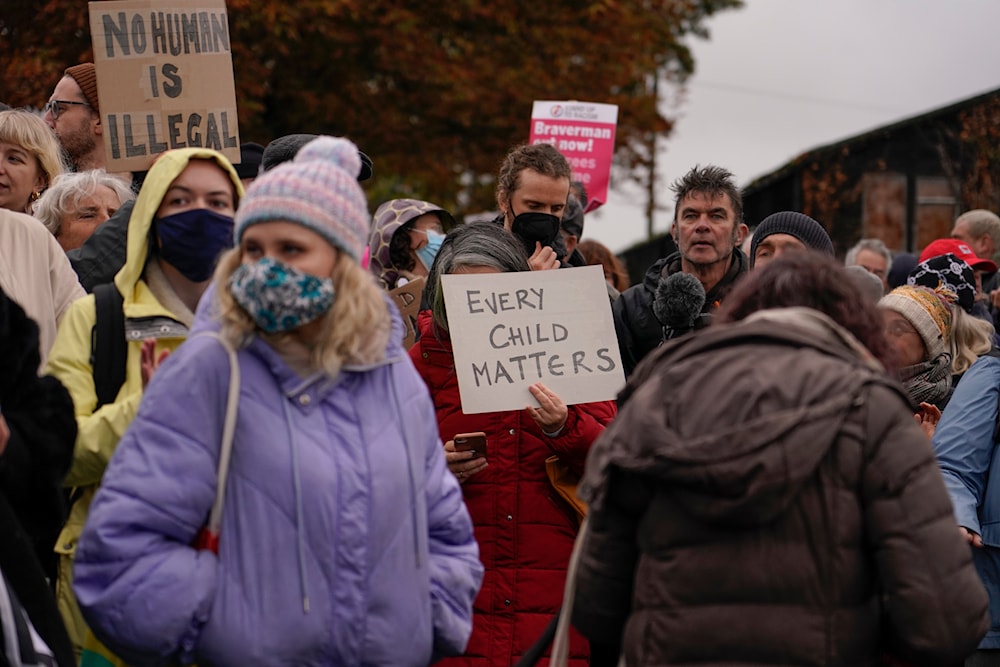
(108,349)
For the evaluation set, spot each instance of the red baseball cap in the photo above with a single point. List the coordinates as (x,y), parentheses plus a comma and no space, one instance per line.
(961,250)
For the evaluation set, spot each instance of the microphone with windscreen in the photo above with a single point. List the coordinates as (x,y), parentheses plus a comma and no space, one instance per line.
(677,303)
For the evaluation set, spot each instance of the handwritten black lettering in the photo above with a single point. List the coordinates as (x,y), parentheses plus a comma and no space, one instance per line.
(556,366)
(468,295)
(604,355)
(493,343)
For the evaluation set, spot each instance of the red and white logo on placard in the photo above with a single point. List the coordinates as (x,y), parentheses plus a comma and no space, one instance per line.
(556,111)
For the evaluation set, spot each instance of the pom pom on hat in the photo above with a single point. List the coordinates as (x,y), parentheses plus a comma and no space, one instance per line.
(249,164)
(319,190)
(85,75)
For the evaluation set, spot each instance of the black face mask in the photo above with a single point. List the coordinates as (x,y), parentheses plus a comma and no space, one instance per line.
(535,227)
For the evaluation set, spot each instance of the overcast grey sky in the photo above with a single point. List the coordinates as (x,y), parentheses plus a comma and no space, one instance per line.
(779,77)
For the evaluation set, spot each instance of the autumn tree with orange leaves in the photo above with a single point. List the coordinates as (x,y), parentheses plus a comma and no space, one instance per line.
(436,93)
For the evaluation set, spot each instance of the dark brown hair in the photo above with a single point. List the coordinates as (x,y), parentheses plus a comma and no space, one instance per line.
(711,181)
(543,158)
(810,280)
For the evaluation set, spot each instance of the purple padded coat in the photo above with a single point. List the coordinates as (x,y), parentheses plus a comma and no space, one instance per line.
(344,538)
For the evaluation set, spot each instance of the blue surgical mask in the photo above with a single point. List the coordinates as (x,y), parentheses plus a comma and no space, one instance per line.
(279,297)
(191,241)
(427,254)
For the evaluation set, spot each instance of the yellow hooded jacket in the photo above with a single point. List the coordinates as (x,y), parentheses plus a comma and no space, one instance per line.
(145,318)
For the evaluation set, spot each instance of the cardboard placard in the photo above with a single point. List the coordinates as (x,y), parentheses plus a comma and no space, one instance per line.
(585,133)
(164,79)
(407,300)
(510,330)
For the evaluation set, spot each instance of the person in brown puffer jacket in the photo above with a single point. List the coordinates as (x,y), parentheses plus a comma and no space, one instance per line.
(765,496)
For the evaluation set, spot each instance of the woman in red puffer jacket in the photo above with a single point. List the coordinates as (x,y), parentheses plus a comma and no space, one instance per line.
(524,529)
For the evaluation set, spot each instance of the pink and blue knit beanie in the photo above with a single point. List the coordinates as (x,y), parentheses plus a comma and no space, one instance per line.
(318,190)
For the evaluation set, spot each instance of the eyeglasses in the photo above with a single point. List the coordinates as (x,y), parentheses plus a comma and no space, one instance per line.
(898,329)
(52,107)
(437,229)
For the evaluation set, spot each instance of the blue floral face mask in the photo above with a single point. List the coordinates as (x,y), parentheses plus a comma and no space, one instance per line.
(280,297)
(427,253)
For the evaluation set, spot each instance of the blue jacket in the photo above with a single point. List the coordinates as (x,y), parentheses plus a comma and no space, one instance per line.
(344,538)
(970,463)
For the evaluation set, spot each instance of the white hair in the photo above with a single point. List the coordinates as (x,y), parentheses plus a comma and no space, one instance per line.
(68,189)
(874,245)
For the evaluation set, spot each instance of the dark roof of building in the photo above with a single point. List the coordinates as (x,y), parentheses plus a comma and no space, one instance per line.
(792,165)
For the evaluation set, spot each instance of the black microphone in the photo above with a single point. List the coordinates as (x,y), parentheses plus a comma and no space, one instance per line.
(678,302)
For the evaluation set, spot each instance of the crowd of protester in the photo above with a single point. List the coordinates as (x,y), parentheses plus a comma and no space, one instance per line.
(215,448)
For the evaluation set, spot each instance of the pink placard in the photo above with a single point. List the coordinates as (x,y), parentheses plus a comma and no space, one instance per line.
(585,133)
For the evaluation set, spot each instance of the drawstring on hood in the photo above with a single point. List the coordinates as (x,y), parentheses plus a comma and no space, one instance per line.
(319,383)
(297,483)
(418,527)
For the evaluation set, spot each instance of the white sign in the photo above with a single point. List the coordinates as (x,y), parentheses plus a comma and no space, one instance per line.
(511,330)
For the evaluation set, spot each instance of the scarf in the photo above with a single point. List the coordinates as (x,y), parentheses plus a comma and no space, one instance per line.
(929,381)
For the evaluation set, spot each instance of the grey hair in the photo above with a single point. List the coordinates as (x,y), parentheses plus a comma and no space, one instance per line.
(66,191)
(981,221)
(870,285)
(873,245)
(473,244)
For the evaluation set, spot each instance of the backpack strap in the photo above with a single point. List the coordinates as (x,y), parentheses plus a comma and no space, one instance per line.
(108,349)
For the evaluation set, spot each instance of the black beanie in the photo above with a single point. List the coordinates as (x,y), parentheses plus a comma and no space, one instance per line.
(287,147)
(250,156)
(572,219)
(799,225)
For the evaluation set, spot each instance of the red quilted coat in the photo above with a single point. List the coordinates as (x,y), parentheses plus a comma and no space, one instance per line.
(525,531)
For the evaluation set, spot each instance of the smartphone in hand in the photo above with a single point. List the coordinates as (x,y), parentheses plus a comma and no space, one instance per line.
(474,442)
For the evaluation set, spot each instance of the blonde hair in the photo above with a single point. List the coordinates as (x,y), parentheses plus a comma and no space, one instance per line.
(25,129)
(354,332)
(971,338)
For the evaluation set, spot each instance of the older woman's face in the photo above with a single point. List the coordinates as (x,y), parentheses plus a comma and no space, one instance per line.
(20,176)
(904,339)
(89,213)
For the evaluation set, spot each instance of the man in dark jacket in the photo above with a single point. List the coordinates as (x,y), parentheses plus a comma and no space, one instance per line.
(532,195)
(708,229)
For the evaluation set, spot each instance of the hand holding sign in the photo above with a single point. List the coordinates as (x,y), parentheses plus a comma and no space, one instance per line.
(513,330)
(551,413)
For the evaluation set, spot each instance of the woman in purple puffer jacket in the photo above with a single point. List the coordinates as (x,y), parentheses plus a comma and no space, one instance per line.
(344,539)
